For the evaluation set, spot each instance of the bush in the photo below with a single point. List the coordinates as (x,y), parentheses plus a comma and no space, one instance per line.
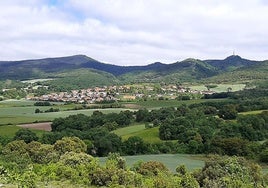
(151,168)
(26,135)
(68,144)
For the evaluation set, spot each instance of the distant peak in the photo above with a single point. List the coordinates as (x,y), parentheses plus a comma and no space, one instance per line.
(233,57)
(190,59)
(157,63)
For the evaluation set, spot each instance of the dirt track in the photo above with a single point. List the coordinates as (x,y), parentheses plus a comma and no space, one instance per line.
(45,126)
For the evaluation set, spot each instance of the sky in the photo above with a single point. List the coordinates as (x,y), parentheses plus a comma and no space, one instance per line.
(134,32)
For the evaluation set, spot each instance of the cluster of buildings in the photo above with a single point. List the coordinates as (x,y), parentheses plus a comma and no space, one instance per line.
(78,96)
(113,93)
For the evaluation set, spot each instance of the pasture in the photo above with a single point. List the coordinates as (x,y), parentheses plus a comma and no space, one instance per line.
(150,135)
(10,130)
(154,104)
(13,112)
(220,87)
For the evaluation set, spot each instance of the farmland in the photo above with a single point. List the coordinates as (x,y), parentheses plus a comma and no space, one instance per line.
(150,135)
(17,112)
(13,112)
(10,130)
(220,87)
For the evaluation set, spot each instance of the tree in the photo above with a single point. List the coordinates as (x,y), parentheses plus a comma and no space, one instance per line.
(142,115)
(231,146)
(134,145)
(152,168)
(68,144)
(16,151)
(37,110)
(228,112)
(74,159)
(42,153)
(209,86)
(108,143)
(264,156)
(229,172)
(26,135)
(18,147)
(110,125)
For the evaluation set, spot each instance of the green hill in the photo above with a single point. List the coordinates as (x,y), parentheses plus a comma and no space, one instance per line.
(82,71)
(81,78)
(187,70)
(232,63)
(251,73)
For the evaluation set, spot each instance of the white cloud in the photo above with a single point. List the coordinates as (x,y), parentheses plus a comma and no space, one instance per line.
(130,32)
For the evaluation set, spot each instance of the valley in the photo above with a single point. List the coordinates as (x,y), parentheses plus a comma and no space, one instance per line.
(76,117)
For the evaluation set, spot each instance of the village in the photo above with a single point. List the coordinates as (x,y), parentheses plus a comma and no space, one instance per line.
(115,93)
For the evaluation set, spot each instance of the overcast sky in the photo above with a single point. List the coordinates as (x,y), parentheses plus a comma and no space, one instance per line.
(134,32)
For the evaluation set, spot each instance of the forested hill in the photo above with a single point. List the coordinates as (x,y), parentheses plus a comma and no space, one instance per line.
(40,67)
(231,63)
(189,69)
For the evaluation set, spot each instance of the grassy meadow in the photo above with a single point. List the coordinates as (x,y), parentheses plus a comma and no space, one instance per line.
(10,130)
(220,87)
(156,104)
(13,112)
(150,135)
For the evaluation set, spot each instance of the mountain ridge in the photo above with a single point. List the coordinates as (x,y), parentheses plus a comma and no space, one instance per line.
(186,70)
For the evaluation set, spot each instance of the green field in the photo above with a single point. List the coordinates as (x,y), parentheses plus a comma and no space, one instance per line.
(150,135)
(10,130)
(220,87)
(153,104)
(252,112)
(129,130)
(22,111)
(171,161)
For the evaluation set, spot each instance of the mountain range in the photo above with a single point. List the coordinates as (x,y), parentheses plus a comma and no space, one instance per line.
(231,68)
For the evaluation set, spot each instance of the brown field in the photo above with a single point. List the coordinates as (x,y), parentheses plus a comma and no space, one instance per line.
(45,126)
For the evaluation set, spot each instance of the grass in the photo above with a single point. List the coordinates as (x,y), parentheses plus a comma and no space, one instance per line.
(16,103)
(10,130)
(171,161)
(21,111)
(220,87)
(165,103)
(156,104)
(150,135)
(252,112)
(129,130)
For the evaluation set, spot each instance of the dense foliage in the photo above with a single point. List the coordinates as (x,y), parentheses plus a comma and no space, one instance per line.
(65,162)
(210,127)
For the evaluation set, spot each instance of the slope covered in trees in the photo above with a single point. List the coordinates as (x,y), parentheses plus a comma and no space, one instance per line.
(229,69)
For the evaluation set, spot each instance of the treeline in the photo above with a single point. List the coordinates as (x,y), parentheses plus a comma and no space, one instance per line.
(42,103)
(66,163)
(13,94)
(259,92)
(46,111)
